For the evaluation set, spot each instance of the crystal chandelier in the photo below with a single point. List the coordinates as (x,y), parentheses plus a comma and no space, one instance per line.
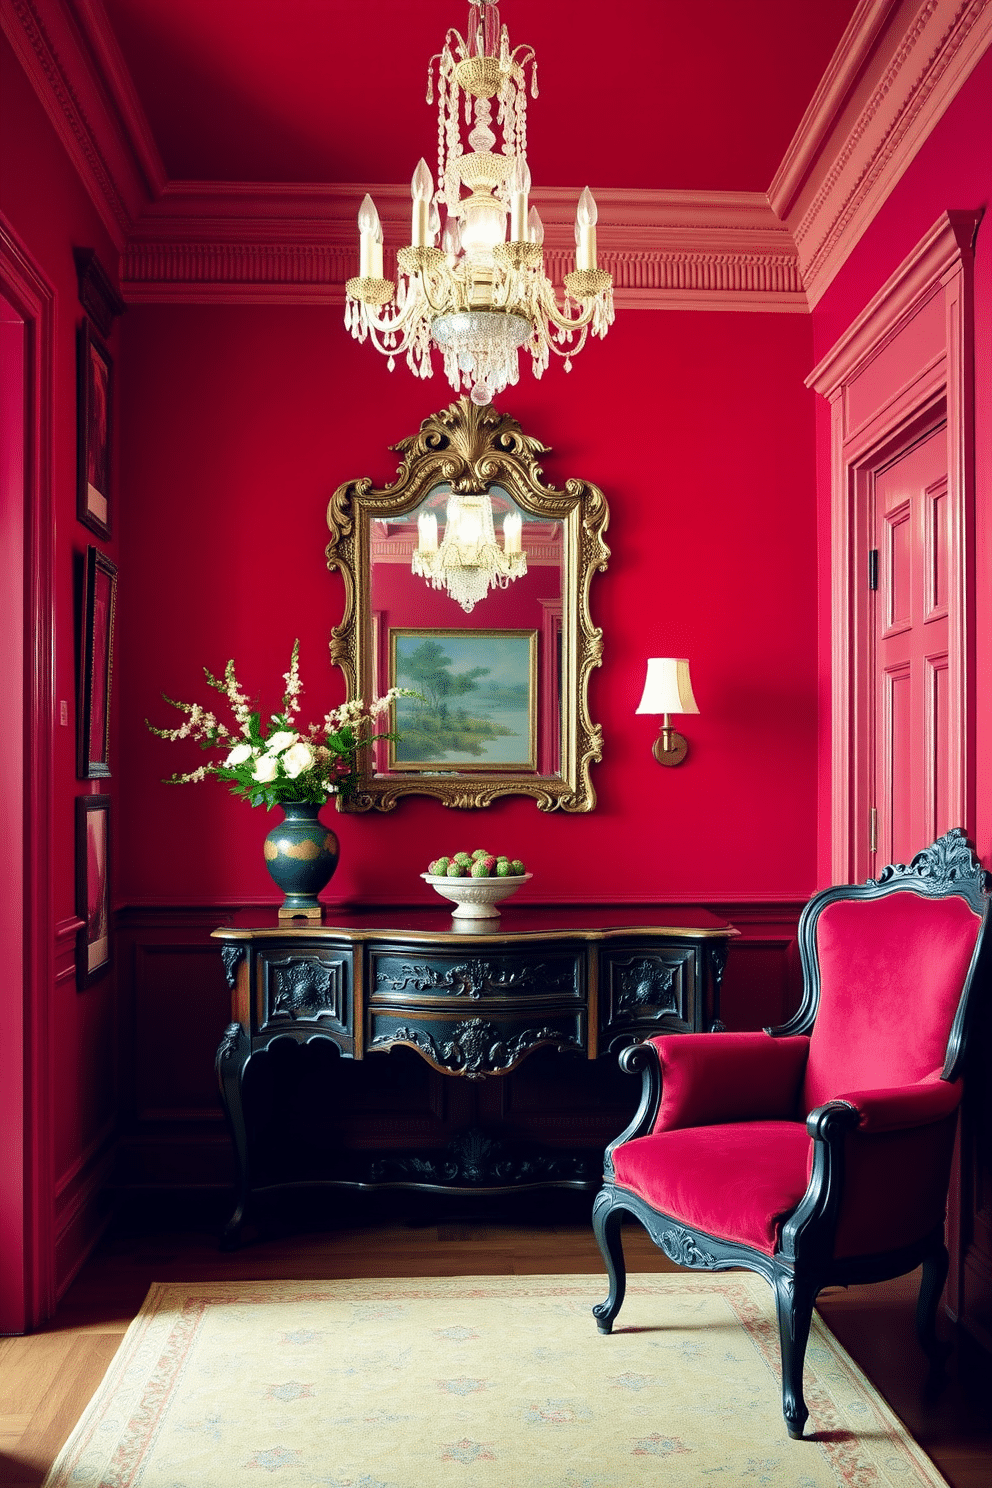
(469,561)
(478,297)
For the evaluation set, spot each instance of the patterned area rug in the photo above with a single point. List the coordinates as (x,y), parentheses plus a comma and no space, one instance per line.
(480,1382)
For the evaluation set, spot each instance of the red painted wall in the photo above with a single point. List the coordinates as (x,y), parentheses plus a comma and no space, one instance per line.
(234,426)
(238,423)
(952,170)
(44,201)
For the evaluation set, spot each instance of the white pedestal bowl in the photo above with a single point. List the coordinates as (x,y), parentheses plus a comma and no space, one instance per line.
(476,898)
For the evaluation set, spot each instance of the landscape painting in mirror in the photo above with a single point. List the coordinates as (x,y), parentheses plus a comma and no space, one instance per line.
(476,703)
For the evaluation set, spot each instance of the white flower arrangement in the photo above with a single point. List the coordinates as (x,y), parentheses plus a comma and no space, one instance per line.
(280,762)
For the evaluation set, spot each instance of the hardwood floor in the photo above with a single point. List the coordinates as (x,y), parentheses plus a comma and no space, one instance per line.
(47,1379)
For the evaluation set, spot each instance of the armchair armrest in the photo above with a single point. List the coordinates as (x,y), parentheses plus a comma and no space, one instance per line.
(879,1170)
(708,1078)
(903,1106)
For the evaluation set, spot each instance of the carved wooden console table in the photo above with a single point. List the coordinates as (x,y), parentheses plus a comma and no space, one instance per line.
(582,981)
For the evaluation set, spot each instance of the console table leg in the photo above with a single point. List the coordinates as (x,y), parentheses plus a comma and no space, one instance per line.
(233,1055)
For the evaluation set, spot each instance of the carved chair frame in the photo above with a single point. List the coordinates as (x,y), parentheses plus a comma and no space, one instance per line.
(804,1262)
(475,449)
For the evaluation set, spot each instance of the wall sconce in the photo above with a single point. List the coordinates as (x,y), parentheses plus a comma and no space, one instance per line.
(667,689)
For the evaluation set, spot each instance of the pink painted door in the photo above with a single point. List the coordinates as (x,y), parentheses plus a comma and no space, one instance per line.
(911,638)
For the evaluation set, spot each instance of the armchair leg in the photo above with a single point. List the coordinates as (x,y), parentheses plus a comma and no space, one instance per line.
(607,1220)
(935,1269)
(794,1304)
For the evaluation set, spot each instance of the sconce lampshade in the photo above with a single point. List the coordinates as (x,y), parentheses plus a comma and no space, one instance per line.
(667,688)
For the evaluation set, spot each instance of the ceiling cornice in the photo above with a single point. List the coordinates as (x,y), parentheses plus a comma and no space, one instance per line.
(833,92)
(233,243)
(71,58)
(899,66)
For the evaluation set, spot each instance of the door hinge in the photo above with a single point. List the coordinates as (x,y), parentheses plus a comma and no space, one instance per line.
(872,568)
(873,829)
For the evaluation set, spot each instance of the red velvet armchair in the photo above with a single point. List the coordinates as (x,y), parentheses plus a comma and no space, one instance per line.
(818,1153)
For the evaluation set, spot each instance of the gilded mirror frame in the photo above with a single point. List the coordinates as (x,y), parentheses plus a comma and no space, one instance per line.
(474,449)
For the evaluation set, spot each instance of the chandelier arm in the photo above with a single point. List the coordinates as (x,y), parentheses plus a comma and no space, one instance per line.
(448,283)
(569,349)
(406,337)
(562,319)
(397,322)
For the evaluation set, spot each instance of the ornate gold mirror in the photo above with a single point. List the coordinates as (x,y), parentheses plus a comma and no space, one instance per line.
(467,580)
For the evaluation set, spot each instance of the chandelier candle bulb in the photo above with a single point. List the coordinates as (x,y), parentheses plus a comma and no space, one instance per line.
(451,240)
(586,217)
(422,189)
(427,533)
(512,529)
(370,238)
(520,184)
(535,227)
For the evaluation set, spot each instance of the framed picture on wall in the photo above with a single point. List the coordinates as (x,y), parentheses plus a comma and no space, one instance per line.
(95,666)
(92,888)
(477,708)
(93,433)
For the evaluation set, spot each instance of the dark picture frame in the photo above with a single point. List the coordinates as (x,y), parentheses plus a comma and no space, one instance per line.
(94,405)
(477,707)
(99,599)
(92,888)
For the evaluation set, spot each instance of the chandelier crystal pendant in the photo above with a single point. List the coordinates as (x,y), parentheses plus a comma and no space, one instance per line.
(483,295)
(469,561)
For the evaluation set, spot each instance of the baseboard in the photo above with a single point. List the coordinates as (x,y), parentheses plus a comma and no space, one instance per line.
(83,1208)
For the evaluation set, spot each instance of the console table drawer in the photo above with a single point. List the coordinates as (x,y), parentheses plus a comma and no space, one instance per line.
(403,979)
(650,991)
(475,1046)
(300,988)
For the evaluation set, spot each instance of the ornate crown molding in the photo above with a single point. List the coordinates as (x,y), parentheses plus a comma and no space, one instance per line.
(211,241)
(897,69)
(72,60)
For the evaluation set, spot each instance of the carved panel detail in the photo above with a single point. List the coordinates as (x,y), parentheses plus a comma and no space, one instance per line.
(305,988)
(476,1046)
(232,956)
(941,867)
(476,977)
(681,1247)
(233,1040)
(646,984)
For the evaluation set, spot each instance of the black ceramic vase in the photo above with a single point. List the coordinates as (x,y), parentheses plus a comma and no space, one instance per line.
(301,854)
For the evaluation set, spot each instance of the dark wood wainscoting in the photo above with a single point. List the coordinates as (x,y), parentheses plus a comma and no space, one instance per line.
(175,1004)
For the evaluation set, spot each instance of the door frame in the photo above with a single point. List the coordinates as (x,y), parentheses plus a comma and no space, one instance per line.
(907,355)
(931,421)
(29,873)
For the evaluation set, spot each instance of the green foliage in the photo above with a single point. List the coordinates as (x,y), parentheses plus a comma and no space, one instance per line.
(278,762)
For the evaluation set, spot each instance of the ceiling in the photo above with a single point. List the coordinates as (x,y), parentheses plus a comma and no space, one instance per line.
(701,96)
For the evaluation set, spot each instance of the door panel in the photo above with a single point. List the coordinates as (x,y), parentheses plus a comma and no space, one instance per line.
(910,634)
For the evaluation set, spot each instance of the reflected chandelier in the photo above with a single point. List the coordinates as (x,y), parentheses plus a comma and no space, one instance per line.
(478,297)
(469,561)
